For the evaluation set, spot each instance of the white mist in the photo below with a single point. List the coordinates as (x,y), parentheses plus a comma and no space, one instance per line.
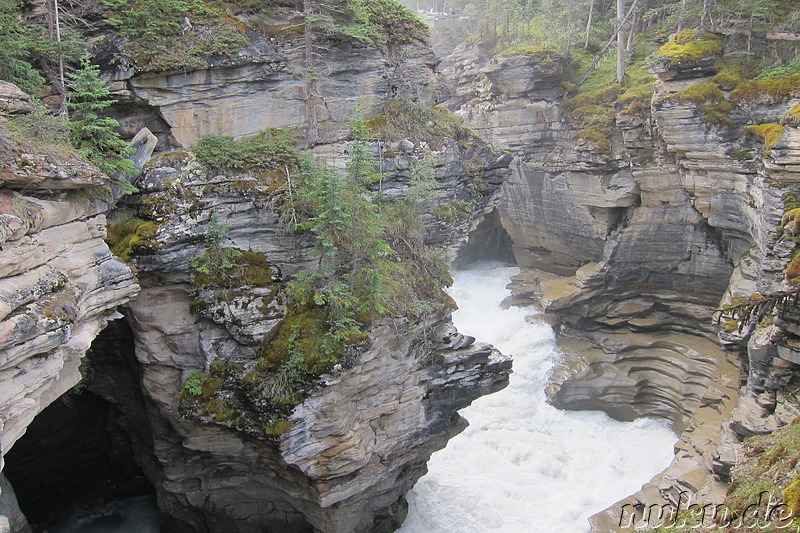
(523,465)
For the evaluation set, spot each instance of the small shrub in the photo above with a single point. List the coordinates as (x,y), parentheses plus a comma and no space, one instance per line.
(193,386)
(215,263)
(403,119)
(268,150)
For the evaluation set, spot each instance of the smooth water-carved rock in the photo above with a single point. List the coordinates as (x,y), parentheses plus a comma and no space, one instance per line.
(59,283)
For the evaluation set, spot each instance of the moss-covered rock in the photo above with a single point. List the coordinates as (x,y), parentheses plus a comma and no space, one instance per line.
(771,134)
(126,236)
(689,46)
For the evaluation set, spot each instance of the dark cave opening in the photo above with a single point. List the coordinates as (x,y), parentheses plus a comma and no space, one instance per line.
(74,456)
(488,241)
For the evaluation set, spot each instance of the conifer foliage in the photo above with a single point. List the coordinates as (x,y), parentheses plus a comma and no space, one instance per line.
(16,46)
(93,135)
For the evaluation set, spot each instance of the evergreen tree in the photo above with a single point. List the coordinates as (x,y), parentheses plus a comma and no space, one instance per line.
(15,50)
(93,135)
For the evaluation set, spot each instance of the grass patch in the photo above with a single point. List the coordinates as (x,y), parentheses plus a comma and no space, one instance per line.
(403,119)
(767,468)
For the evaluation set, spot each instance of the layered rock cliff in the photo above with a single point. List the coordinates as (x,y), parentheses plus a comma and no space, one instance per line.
(631,239)
(362,436)
(60,283)
(359,435)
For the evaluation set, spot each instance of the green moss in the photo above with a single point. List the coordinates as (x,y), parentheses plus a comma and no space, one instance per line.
(688,47)
(277,427)
(637,99)
(200,386)
(770,133)
(305,333)
(791,497)
(256,271)
(220,368)
(791,200)
(730,326)
(125,236)
(727,80)
(792,271)
(597,135)
(711,103)
(220,410)
(246,268)
(717,114)
(700,93)
(792,117)
(767,90)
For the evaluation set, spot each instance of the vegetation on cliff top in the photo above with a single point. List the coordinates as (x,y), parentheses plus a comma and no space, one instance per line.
(370,261)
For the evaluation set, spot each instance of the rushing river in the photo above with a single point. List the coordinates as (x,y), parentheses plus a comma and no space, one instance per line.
(523,465)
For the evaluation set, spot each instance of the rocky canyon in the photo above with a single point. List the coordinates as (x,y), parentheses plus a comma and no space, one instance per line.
(182,369)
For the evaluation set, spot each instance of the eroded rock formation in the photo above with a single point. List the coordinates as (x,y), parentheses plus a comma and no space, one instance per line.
(59,283)
(629,242)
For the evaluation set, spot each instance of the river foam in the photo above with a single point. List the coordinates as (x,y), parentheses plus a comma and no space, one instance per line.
(523,465)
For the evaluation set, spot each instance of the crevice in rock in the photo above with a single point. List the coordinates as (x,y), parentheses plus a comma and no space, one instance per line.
(488,241)
(74,455)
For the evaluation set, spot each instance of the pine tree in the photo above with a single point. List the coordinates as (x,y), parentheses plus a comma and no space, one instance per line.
(15,50)
(93,135)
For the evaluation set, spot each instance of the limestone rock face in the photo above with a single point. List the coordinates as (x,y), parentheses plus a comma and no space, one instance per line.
(357,444)
(632,240)
(362,436)
(263,87)
(59,284)
(13,100)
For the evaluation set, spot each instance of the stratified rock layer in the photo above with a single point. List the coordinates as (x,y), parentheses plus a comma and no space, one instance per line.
(633,241)
(59,283)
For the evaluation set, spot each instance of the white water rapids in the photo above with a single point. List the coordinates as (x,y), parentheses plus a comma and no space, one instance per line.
(522,465)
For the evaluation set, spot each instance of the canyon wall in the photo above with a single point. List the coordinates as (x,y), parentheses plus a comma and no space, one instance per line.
(361,434)
(59,283)
(631,240)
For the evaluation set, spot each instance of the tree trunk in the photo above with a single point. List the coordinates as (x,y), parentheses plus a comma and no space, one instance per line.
(680,15)
(620,41)
(597,59)
(62,109)
(312,135)
(589,24)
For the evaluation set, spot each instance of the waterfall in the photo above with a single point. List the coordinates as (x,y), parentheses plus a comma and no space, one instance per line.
(523,465)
